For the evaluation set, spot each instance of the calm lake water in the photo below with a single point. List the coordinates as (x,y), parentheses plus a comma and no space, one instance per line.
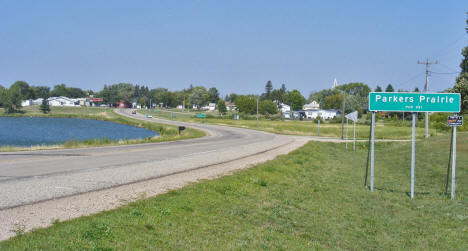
(25,131)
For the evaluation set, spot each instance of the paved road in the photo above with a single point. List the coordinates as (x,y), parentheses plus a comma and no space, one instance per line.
(33,176)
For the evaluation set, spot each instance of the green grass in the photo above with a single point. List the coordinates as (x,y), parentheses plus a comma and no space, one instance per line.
(166,132)
(313,198)
(385,130)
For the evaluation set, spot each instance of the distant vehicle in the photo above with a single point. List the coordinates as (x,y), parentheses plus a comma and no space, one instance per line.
(134,112)
(148,116)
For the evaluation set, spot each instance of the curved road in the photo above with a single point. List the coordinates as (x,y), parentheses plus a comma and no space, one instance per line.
(35,176)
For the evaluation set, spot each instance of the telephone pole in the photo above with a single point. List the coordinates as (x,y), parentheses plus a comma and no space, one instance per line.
(426,90)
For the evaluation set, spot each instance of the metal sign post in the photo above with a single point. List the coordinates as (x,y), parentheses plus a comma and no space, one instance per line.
(453,121)
(354,137)
(372,152)
(318,127)
(454,160)
(346,133)
(413,102)
(413,146)
(354,117)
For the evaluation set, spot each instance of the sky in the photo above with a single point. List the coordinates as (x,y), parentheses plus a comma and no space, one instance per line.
(236,46)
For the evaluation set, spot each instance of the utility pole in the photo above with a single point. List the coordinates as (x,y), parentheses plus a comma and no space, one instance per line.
(343,113)
(257,111)
(426,90)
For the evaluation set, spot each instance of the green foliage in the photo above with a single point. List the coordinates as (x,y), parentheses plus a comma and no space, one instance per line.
(268,107)
(12,100)
(378,89)
(389,88)
(461,86)
(221,107)
(213,95)
(199,96)
(246,104)
(70,92)
(295,100)
(268,91)
(45,107)
(334,101)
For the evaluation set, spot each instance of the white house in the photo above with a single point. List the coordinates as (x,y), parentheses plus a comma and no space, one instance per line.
(313,114)
(285,108)
(312,106)
(30,102)
(210,107)
(230,106)
(62,101)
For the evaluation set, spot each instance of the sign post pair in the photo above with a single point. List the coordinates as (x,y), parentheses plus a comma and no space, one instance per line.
(413,102)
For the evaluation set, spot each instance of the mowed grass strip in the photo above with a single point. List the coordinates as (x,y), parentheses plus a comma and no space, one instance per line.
(385,130)
(311,198)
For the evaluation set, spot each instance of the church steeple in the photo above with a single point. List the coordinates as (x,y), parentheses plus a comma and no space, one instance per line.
(335,84)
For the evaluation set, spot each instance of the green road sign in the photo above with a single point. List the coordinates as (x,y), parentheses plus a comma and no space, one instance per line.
(200,115)
(414,102)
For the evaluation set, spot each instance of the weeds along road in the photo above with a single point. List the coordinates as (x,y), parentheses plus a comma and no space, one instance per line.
(34,176)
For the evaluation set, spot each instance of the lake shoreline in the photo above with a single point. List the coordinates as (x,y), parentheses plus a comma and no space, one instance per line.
(166,132)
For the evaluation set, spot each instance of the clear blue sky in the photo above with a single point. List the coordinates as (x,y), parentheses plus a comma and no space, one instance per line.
(236,46)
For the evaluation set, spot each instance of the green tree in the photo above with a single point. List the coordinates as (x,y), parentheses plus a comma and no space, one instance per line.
(41,91)
(296,100)
(246,104)
(378,89)
(334,101)
(2,95)
(389,88)
(12,100)
(461,83)
(199,96)
(70,92)
(221,107)
(213,95)
(23,90)
(45,107)
(268,90)
(268,107)
(416,89)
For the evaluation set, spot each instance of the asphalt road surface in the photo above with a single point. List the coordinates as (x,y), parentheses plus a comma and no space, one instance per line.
(35,176)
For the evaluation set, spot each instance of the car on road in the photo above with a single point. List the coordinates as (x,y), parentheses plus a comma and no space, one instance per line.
(148,116)
(134,112)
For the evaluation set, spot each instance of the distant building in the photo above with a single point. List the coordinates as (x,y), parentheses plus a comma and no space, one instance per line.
(62,101)
(313,114)
(230,106)
(284,108)
(335,84)
(209,107)
(312,106)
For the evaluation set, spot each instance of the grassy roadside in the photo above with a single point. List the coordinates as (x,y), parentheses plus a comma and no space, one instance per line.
(309,128)
(312,198)
(166,132)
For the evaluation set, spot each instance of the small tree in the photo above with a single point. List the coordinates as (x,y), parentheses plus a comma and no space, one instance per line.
(296,100)
(268,107)
(221,107)
(45,107)
(378,89)
(12,101)
(389,88)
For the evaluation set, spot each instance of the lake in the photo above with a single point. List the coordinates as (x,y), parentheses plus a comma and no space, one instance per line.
(28,131)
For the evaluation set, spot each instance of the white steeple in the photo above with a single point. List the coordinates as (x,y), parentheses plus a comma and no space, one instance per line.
(335,84)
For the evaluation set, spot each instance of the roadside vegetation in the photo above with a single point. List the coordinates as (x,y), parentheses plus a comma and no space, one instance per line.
(166,132)
(312,198)
(385,128)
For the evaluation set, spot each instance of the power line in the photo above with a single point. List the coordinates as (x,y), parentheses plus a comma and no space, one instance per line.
(426,89)
(433,72)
